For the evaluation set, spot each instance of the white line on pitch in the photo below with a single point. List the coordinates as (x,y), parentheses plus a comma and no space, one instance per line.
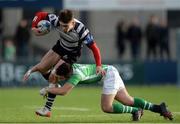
(178,113)
(60,108)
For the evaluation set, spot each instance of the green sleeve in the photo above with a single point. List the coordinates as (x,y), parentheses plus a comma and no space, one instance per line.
(74,80)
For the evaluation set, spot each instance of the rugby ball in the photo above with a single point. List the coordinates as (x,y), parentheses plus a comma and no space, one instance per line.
(44,26)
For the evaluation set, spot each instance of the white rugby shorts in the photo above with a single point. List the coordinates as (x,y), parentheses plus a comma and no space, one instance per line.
(112,81)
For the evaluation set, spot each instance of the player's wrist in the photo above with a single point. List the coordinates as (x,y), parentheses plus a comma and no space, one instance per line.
(29,71)
(98,66)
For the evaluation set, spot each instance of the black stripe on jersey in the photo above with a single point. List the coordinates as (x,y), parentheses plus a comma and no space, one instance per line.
(82,31)
(64,46)
(65,39)
(52,22)
(76,26)
(83,39)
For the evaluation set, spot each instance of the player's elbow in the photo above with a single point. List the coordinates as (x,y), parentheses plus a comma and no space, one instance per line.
(64,93)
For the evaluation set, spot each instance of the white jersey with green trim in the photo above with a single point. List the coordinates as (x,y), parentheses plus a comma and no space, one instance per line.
(85,73)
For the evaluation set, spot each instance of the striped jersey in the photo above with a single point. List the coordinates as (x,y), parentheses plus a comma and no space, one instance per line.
(71,40)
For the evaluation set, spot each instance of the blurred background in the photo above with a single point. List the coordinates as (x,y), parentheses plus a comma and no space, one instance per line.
(140,37)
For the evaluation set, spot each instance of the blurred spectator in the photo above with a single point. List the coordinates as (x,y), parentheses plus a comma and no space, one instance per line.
(120,38)
(22,38)
(134,35)
(153,36)
(1,44)
(164,39)
(9,50)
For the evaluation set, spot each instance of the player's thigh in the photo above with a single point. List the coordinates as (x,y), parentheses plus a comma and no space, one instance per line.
(124,97)
(49,60)
(107,101)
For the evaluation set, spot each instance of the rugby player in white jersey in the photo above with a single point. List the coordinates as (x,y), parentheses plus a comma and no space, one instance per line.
(113,89)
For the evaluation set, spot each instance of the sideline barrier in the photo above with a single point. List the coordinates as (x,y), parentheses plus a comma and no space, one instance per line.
(132,73)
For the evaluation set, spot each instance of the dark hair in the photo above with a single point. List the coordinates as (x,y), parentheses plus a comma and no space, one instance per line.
(65,16)
(64,69)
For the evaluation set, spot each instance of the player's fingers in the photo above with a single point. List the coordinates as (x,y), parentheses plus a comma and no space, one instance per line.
(98,72)
(103,73)
(25,77)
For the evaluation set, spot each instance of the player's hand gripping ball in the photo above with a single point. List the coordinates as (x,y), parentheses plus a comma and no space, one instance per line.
(44,26)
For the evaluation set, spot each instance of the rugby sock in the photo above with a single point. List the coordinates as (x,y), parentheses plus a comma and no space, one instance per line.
(120,108)
(50,100)
(141,103)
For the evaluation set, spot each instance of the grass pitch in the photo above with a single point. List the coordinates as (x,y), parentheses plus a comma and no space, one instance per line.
(82,105)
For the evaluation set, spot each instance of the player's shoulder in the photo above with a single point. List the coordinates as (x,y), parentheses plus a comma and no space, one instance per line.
(78,23)
(79,26)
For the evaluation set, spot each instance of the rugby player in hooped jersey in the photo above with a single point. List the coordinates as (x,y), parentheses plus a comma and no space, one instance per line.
(73,35)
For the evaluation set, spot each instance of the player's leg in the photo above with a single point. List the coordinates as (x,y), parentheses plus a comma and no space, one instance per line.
(123,97)
(46,110)
(106,102)
(110,88)
(108,106)
(48,61)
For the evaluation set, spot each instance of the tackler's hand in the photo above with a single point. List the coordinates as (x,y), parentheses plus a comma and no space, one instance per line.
(100,70)
(44,92)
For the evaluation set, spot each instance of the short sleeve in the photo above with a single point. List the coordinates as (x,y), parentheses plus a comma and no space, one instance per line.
(84,33)
(74,79)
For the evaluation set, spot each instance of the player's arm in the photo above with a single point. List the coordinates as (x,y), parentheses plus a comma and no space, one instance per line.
(67,87)
(96,52)
(38,17)
(88,39)
(97,55)
(64,90)
(37,32)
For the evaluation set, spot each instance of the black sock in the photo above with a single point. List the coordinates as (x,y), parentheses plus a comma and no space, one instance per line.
(156,108)
(50,100)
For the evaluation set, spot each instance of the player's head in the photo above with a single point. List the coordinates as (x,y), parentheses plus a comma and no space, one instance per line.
(64,70)
(66,20)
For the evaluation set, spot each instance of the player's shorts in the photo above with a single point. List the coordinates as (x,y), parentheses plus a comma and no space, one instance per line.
(112,81)
(67,56)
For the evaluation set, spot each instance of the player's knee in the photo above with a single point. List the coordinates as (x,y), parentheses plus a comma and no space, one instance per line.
(106,108)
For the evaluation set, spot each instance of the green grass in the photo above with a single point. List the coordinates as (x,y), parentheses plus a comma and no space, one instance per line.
(82,105)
